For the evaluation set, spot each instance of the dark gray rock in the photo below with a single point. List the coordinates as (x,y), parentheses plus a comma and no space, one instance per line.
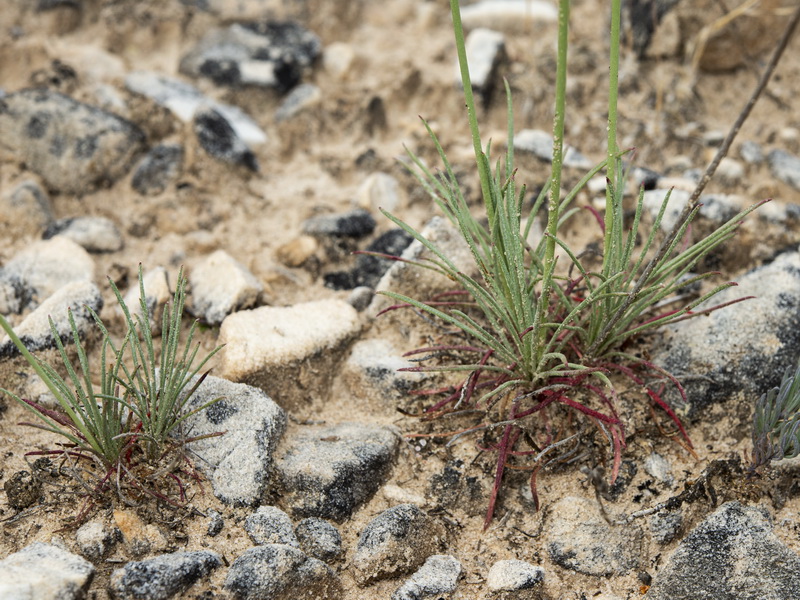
(319,539)
(369,269)
(642,18)
(183,100)
(270,525)
(785,166)
(395,542)
(26,208)
(454,487)
(435,580)
(237,463)
(741,350)
(34,331)
(268,54)
(72,146)
(665,526)
(94,234)
(215,523)
(221,285)
(514,580)
(158,169)
(731,555)
(353,224)
(577,537)
(162,577)
(41,269)
(95,540)
(44,571)
(22,490)
(280,572)
(218,137)
(329,472)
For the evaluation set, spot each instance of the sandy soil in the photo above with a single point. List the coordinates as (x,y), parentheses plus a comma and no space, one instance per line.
(404,55)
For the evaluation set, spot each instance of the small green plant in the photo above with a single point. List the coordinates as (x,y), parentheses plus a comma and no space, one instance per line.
(542,335)
(124,429)
(776,423)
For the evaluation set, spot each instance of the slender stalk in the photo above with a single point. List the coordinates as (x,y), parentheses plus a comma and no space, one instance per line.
(469,100)
(555,183)
(612,151)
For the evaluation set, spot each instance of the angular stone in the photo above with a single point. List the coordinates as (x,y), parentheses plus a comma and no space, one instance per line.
(423,284)
(162,577)
(329,472)
(94,234)
(238,463)
(578,538)
(743,349)
(44,572)
(395,542)
(270,525)
(72,146)
(732,555)
(290,352)
(35,331)
(436,579)
(221,285)
(39,270)
(280,572)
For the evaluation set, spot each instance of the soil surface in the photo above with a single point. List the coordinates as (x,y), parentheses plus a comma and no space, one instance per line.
(402,66)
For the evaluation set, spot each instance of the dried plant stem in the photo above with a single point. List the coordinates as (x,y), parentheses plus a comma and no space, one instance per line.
(692,204)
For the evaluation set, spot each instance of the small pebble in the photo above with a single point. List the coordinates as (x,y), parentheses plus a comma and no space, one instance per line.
(270,525)
(319,539)
(94,234)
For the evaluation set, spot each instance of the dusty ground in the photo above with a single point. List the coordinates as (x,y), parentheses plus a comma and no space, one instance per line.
(403,55)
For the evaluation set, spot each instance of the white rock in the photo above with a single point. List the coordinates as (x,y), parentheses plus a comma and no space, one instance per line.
(514,575)
(221,285)
(379,191)
(484,50)
(508,14)
(94,234)
(44,572)
(290,351)
(338,59)
(41,269)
